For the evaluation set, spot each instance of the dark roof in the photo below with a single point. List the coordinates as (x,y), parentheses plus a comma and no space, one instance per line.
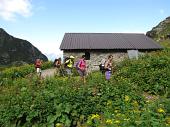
(107,41)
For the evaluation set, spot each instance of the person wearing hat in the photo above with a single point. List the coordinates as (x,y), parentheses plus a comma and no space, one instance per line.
(69,65)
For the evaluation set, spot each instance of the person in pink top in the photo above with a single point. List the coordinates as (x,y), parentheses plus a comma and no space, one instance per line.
(82,68)
(108,67)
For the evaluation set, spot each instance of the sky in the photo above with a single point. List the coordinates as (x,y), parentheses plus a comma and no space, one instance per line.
(44,22)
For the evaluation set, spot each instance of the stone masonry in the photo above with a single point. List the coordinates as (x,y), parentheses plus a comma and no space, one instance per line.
(97,57)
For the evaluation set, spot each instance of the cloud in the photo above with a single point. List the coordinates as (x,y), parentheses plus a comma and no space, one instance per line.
(9,9)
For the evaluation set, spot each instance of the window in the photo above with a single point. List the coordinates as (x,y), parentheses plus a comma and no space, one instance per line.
(133,54)
(87,55)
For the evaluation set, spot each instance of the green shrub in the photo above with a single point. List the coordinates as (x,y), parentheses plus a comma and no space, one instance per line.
(46,65)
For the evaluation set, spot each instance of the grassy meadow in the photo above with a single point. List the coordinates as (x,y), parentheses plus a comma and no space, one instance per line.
(138,95)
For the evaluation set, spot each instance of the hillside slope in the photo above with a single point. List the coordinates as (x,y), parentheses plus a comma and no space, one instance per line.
(161,33)
(14,50)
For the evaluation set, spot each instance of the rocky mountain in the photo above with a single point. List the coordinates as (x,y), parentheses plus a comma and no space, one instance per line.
(15,50)
(161,31)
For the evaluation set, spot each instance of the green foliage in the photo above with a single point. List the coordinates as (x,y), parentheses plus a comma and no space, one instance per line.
(165,43)
(149,72)
(16,72)
(47,65)
(65,102)
(11,73)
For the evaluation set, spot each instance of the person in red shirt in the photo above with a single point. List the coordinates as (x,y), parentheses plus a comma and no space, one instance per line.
(82,68)
(38,64)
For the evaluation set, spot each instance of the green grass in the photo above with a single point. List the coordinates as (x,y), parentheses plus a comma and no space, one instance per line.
(165,43)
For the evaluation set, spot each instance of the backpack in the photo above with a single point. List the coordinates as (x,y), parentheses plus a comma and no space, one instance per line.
(65,64)
(77,64)
(58,63)
(102,65)
(54,64)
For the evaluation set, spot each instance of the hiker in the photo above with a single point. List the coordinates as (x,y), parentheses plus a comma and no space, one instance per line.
(38,64)
(69,62)
(81,68)
(108,67)
(57,65)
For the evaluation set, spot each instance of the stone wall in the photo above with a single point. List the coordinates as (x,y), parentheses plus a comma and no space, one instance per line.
(97,57)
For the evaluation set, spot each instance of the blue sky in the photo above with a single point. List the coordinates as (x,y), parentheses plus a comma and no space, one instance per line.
(44,22)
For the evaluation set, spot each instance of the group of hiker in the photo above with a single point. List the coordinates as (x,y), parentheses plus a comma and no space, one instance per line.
(80,65)
(69,64)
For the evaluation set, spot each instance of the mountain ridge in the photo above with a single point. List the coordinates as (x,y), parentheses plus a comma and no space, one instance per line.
(14,50)
(161,33)
(161,29)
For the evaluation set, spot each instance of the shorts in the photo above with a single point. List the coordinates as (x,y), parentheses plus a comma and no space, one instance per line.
(108,75)
(68,70)
(38,70)
(82,73)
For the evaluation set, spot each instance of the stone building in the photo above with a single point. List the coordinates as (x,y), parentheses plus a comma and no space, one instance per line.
(97,46)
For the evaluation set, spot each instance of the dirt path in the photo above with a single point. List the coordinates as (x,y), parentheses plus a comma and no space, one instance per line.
(48,73)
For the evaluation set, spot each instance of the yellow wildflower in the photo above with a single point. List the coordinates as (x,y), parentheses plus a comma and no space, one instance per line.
(137,111)
(116,111)
(135,103)
(119,114)
(117,121)
(127,119)
(109,121)
(58,125)
(168,120)
(109,102)
(89,122)
(123,115)
(127,98)
(147,101)
(95,116)
(167,124)
(160,110)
